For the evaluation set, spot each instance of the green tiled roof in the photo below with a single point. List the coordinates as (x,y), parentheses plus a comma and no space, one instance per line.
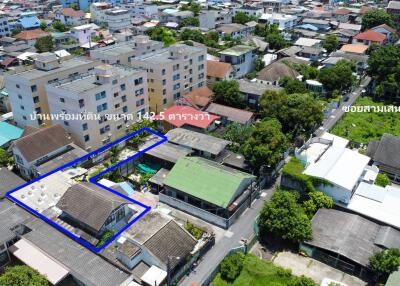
(9,132)
(206,180)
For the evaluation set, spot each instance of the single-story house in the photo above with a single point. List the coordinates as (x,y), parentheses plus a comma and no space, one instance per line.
(229,114)
(208,190)
(217,71)
(386,155)
(273,73)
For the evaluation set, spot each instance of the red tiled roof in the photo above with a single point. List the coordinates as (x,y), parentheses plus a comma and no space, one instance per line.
(370,35)
(199,97)
(30,34)
(72,13)
(218,69)
(342,11)
(7,61)
(181,115)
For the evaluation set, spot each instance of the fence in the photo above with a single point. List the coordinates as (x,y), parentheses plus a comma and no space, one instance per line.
(243,248)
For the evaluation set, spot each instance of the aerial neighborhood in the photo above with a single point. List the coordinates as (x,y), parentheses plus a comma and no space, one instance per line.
(168,142)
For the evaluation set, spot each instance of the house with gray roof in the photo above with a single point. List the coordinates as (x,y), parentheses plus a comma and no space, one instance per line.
(346,240)
(93,209)
(386,155)
(253,90)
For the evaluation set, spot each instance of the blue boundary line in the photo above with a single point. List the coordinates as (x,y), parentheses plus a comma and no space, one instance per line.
(93,180)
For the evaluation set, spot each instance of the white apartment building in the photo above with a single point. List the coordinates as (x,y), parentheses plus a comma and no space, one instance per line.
(99,96)
(26,88)
(98,12)
(118,19)
(172,72)
(143,10)
(285,22)
(84,33)
(250,10)
(123,53)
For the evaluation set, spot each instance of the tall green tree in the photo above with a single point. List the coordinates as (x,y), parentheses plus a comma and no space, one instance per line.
(292,85)
(385,262)
(283,217)
(43,25)
(384,68)
(22,275)
(238,134)
(227,92)
(191,21)
(44,44)
(316,200)
(266,144)
(191,6)
(162,34)
(339,77)
(276,41)
(298,112)
(193,35)
(231,266)
(5,158)
(376,17)
(242,18)
(259,63)
(59,27)
(331,43)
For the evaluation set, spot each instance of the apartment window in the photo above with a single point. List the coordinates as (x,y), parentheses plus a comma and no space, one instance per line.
(177,86)
(123,98)
(164,101)
(86,138)
(139,102)
(123,87)
(34,88)
(138,81)
(163,72)
(115,81)
(19,96)
(100,95)
(125,109)
(139,92)
(117,105)
(24,117)
(164,82)
(141,112)
(164,91)
(201,75)
(176,76)
(200,58)
(62,99)
(102,107)
(116,94)
(190,62)
(119,127)
(22,107)
(201,67)
(38,110)
(175,67)
(17,85)
(81,103)
(177,95)
(84,126)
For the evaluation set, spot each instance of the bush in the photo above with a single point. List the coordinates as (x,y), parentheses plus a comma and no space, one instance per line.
(231,267)
(22,275)
(106,236)
(382,180)
(283,272)
(193,230)
(302,281)
(385,262)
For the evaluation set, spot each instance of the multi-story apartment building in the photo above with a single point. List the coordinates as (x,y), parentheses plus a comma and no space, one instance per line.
(26,88)
(172,72)
(107,99)
(98,12)
(5,30)
(285,22)
(118,19)
(123,53)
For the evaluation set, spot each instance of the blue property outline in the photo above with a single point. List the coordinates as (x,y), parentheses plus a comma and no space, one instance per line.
(93,180)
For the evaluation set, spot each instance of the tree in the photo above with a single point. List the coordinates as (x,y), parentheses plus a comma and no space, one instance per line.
(191,6)
(339,77)
(383,67)
(382,180)
(143,123)
(266,144)
(227,92)
(376,17)
(193,35)
(316,200)
(242,18)
(298,112)
(260,30)
(162,34)
(74,6)
(283,217)
(60,27)
(22,275)
(302,281)
(43,25)
(190,21)
(331,43)
(238,134)
(5,158)
(231,266)
(292,85)
(259,63)
(385,262)
(276,41)
(44,44)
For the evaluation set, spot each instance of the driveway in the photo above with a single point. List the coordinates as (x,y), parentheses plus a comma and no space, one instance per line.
(314,269)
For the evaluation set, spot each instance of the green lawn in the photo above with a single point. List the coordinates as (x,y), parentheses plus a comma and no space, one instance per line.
(361,127)
(256,272)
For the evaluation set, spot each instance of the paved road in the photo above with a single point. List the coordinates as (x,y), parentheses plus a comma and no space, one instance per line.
(338,113)
(242,229)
